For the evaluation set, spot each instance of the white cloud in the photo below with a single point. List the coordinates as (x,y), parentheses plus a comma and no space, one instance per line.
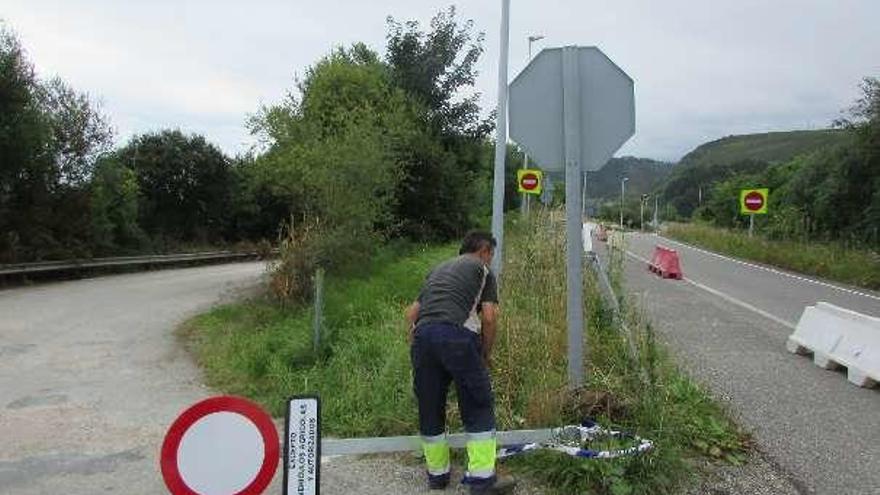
(702,69)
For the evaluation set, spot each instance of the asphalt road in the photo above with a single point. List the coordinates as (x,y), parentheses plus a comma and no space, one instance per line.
(728,322)
(91,377)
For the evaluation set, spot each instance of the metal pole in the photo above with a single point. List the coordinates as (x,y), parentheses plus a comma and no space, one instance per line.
(571,104)
(622,192)
(524,203)
(656,204)
(500,141)
(642,215)
(584,196)
(524,206)
(319,309)
(751,225)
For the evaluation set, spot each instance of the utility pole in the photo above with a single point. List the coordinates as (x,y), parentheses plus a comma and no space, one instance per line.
(584,195)
(656,205)
(622,193)
(500,141)
(525,204)
(642,211)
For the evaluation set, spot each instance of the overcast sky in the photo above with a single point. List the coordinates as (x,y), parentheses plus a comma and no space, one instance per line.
(703,68)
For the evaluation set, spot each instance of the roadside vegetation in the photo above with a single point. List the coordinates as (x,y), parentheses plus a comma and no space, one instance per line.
(263,350)
(829,260)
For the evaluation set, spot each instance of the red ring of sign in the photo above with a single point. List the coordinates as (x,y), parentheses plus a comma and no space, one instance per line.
(529,181)
(754,201)
(226,403)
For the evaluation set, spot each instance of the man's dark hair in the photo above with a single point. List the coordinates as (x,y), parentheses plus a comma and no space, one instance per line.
(476,240)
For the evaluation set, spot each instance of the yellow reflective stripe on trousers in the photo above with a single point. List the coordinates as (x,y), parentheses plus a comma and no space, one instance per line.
(436,454)
(481,455)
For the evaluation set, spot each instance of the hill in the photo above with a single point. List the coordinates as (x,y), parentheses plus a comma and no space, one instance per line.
(644,174)
(768,147)
(751,153)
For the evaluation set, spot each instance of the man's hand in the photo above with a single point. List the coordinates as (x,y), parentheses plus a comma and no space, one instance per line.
(488,320)
(411,314)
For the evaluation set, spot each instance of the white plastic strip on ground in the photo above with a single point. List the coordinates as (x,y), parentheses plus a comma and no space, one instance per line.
(840,337)
(354,446)
(773,270)
(726,297)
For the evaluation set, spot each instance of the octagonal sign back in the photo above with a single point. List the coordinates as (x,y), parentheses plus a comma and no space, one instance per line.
(607,113)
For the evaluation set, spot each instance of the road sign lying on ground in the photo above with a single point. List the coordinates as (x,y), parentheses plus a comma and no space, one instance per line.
(839,337)
(219,446)
(529,181)
(753,201)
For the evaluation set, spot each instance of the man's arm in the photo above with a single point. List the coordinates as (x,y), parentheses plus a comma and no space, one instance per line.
(489,320)
(412,314)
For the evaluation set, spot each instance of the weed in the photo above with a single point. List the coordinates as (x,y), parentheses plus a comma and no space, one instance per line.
(827,260)
(257,349)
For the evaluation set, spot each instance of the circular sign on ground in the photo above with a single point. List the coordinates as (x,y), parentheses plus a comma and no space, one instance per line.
(529,181)
(220,446)
(753,201)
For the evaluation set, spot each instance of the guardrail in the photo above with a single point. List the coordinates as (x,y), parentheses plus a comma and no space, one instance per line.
(155,259)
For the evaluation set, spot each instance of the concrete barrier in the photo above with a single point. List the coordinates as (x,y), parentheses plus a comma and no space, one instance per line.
(587,234)
(665,262)
(839,337)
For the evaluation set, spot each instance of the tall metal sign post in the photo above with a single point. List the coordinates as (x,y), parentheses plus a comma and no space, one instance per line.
(500,142)
(571,108)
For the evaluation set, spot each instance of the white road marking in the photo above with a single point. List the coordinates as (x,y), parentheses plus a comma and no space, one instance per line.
(777,272)
(727,297)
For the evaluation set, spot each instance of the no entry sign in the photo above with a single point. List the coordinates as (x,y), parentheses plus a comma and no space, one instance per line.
(753,201)
(529,181)
(220,446)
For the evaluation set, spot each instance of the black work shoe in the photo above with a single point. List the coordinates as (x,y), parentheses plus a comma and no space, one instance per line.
(501,485)
(438,482)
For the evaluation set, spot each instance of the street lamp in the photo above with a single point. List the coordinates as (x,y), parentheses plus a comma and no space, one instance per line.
(622,193)
(526,199)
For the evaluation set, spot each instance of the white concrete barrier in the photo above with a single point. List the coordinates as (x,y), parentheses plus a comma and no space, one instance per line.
(839,337)
(587,234)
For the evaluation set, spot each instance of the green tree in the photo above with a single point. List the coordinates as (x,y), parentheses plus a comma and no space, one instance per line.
(114,208)
(185,186)
(334,152)
(445,161)
(50,136)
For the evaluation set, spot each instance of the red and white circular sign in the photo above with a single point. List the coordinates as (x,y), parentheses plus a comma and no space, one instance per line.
(529,181)
(754,201)
(220,446)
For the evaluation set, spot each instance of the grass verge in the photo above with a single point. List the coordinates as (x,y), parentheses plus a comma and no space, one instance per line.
(826,260)
(363,373)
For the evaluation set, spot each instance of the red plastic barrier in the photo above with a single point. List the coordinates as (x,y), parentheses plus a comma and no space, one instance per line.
(665,263)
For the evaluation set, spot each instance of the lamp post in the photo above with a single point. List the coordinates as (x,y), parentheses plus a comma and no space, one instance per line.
(526,199)
(656,205)
(622,193)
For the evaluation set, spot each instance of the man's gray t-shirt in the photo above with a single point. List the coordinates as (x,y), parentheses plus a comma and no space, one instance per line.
(451,289)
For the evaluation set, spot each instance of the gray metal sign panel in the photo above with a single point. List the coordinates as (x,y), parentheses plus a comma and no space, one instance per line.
(607,108)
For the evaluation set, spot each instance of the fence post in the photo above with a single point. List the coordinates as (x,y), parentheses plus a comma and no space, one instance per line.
(319,308)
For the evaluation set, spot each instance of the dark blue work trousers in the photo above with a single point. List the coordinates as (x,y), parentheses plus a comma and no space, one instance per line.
(442,353)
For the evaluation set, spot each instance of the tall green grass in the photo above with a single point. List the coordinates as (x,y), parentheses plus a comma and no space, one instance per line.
(363,373)
(826,260)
